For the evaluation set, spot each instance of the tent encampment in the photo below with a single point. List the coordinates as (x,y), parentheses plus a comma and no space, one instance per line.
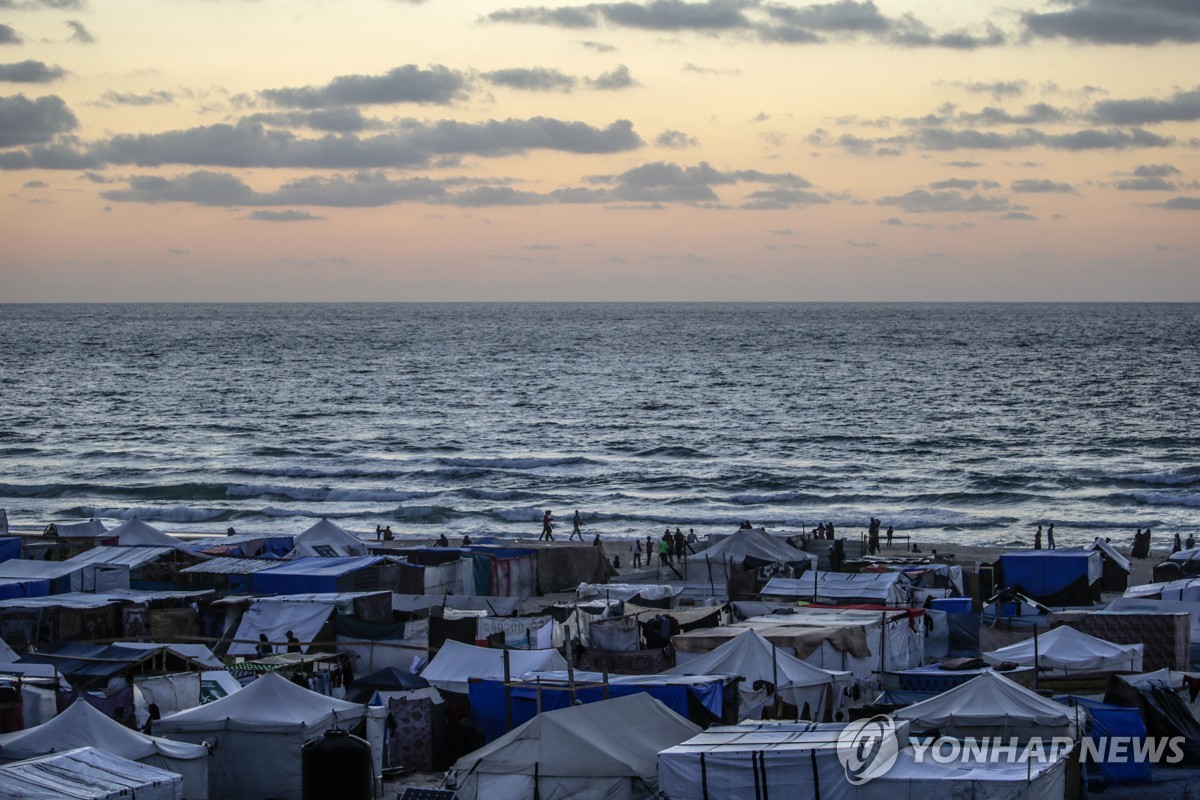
(327,539)
(82,725)
(600,751)
(1065,650)
(257,734)
(992,705)
(842,588)
(135,533)
(759,663)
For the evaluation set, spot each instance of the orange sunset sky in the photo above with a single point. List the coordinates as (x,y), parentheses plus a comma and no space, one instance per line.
(250,150)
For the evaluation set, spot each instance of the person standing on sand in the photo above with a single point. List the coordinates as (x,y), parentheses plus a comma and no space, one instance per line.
(637,553)
(576,527)
(664,551)
(680,545)
(1190,543)
(889,536)
(649,550)
(1037,539)
(547,527)
(1177,545)
(1050,537)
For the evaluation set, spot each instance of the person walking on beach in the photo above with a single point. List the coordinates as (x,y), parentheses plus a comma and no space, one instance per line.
(664,550)
(1050,537)
(680,545)
(649,550)
(576,527)
(547,527)
(1191,542)
(1037,539)
(637,553)
(889,537)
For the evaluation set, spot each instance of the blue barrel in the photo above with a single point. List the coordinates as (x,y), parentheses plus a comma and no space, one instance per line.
(336,766)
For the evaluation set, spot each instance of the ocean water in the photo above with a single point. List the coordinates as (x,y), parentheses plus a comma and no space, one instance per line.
(951,422)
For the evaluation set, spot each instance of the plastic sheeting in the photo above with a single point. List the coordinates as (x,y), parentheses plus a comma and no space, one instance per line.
(68,576)
(991,705)
(1045,573)
(309,575)
(840,588)
(10,547)
(1067,650)
(327,539)
(1021,778)
(171,693)
(305,620)
(87,773)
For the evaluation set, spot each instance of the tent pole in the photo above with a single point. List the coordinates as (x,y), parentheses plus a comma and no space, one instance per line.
(1035,657)
(508,719)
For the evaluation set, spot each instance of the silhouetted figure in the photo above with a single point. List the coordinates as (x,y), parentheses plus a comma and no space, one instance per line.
(1037,539)
(442,541)
(680,545)
(466,542)
(293,644)
(576,527)
(1178,544)
(889,536)
(263,648)
(547,527)
(637,553)
(1050,537)
(387,534)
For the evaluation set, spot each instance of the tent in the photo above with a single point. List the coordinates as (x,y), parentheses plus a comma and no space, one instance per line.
(66,576)
(87,774)
(754,547)
(1109,722)
(1054,577)
(256,735)
(456,663)
(327,539)
(91,529)
(388,679)
(601,751)
(82,725)
(1116,569)
(314,574)
(991,705)
(843,588)
(757,661)
(980,775)
(1065,650)
(135,533)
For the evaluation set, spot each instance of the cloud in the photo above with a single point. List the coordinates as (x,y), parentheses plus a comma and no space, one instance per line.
(1182,204)
(1144,22)
(783,232)
(967,184)
(941,138)
(407,84)
(25,121)
(8,35)
(282,216)
(1041,186)
(921,201)
(618,78)
(1021,216)
(65,154)
(347,119)
(176,251)
(770,22)
(154,98)
(1145,185)
(35,185)
(675,140)
(699,70)
(415,144)
(1037,113)
(599,47)
(1155,171)
(782,198)
(30,71)
(1183,106)
(537,79)
(33,5)
(999,90)
(79,33)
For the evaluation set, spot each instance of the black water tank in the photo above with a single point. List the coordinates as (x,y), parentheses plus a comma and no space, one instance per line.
(336,766)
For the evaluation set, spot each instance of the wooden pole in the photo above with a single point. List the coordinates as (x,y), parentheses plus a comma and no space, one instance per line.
(508,711)
(1035,657)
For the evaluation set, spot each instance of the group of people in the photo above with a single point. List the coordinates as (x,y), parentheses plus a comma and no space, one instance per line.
(670,546)
(1179,544)
(384,533)
(873,547)
(264,647)
(824,531)
(1037,538)
(547,533)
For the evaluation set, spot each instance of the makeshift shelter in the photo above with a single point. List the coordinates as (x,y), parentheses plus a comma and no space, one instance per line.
(1054,577)
(317,574)
(761,664)
(81,725)
(1065,650)
(456,663)
(87,665)
(1107,722)
(601,751)
(87,774)
(135,533)
(991,705)
(62,577)
(328,540)
(91,529)
(1166,714)
(10,546)
(257,733)
(842,589)
(980,775)
(1116,567)
(388,679)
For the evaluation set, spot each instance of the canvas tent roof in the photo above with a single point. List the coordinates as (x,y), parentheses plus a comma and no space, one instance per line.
(326,538)
(91,528)
(86,774)
(612,738)
(304,620)
(1111,553)
(86,663)
(754,658)
(270,704)
(883,588)
(1065,648)
(82,725)
(755,544)
(456,663)
(989,701)
(135,533)
(128,556)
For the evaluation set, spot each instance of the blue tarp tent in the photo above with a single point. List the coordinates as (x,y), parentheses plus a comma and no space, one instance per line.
(1114,722)
(313,575)
(1054,577)
(23,587)
(689,697)
(10,547)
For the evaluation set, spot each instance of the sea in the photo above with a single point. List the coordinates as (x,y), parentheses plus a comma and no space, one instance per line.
(966,423)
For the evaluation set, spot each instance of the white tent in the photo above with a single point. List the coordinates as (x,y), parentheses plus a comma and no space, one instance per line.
(326,538)
(87,774)
(456,663)
(135,533)
(843,588)
(82,725)
(91,528)
(599,751)
(992,705)
(257,734)
(757,545)
(756,660)
(1040,776)
(1066,650)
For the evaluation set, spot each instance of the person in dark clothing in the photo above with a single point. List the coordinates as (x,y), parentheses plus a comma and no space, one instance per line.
(442,541)
(1050,537)
(387,534)
(576,527)
(547,527)
(293,644)
(889,535)
(680,545)
(1037,539)
(263,648)
(1178,545)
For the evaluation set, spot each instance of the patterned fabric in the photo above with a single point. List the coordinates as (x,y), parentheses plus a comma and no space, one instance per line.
(410,742)
(1166,636)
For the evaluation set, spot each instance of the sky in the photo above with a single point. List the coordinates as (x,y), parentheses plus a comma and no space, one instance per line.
(399,150)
